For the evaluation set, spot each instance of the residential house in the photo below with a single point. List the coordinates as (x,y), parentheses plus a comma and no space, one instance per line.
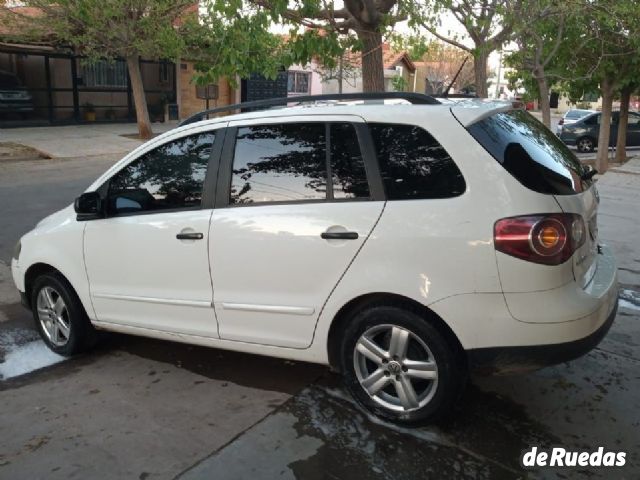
(396,64)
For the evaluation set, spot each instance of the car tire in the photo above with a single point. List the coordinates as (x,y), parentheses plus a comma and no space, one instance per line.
(415,387)
(60,317)
(585,144)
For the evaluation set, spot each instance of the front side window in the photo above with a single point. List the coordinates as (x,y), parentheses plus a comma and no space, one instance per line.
(530,152)
(279,163)
(413,164)
(169,177)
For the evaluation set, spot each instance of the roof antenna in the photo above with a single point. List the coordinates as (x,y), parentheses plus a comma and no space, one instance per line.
(445,94)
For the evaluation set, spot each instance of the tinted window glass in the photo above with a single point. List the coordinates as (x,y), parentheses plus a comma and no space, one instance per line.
(347,165)
(592,120)
(279,163)
(171,176)
(530,152)
(413,164)
(575,114)
(9,81)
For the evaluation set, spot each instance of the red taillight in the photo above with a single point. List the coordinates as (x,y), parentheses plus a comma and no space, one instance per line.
(548,239)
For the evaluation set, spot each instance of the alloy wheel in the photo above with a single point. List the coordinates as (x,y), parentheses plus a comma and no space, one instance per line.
(585,145)
(395,368)
(53,316)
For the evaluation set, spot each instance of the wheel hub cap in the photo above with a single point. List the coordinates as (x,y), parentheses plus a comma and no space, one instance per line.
(53,316)
(395,368)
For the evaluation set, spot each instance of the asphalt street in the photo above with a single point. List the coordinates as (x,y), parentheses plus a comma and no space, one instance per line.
(141,408)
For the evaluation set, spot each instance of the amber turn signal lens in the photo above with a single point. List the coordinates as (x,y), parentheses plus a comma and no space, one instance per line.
(549,237)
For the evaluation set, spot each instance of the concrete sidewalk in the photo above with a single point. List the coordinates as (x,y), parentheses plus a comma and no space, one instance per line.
(80,140)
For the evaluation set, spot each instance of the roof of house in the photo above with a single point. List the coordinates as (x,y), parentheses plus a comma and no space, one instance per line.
(10,19)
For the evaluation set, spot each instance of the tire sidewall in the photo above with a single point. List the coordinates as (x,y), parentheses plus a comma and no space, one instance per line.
(450,374)
(77,316)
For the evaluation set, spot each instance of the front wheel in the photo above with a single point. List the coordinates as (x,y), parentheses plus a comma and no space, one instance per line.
(60,317)
(585,145)
(399,366)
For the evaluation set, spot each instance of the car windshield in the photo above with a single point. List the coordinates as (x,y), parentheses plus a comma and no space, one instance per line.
(530,152)
(9,82)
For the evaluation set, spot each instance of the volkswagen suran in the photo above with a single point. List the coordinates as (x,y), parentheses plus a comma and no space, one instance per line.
(402,244)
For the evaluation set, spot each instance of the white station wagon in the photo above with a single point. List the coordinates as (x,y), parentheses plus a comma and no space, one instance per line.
(402,244)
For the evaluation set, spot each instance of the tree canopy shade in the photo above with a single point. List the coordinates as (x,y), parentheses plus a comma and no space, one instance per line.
(602,53)
(329,30)
(539,35)
(489,24)
(109,29)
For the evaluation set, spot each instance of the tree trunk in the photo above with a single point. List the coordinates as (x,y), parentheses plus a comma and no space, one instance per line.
(602,159)
(372,66)
(480,72)
(139,99)
(545,107)
(621,144)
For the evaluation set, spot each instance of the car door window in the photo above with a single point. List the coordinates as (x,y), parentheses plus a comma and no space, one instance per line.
(348,175)
(167,178)
(291,163)
(592,120)
(413,164)
(634,119)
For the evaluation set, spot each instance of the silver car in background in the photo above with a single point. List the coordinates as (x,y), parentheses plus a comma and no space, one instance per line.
(570,117)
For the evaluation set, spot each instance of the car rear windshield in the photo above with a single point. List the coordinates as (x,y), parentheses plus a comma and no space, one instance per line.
(574,114)
(530,152)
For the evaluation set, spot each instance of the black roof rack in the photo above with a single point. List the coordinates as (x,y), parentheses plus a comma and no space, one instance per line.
(415,98)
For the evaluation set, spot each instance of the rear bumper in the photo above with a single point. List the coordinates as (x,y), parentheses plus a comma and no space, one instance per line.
(497,360)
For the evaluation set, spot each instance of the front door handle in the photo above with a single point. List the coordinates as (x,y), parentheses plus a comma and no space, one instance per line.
(339,235)
(190,236)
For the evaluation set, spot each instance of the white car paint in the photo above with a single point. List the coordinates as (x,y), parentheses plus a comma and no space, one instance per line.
(265,283)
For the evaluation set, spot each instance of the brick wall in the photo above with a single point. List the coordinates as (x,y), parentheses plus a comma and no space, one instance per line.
(188,103)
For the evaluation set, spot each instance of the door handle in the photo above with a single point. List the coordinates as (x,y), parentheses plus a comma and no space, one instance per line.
(190,236)
(339,235)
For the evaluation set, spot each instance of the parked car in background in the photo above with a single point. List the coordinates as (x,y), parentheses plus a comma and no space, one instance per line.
(14,97)
(584,132)
(572,116)
(401,244)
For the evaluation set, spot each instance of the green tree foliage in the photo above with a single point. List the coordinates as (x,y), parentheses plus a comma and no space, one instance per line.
(488,24)
(328,30)
(109,29)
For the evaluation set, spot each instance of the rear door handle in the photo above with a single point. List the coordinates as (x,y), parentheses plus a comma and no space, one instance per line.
(339,235)
(190,236)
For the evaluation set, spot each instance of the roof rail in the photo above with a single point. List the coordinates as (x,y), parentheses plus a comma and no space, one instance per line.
(416,98)
(457,95)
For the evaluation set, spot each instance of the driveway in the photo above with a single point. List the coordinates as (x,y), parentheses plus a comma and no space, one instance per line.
(141,408)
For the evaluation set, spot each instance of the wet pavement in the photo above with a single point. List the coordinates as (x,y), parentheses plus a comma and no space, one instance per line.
(147,409)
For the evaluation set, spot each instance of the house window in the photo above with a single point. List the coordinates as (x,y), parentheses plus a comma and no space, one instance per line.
(298,82)
(165,72)
(105,74)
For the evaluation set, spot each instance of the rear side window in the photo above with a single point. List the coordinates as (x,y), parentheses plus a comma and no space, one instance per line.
(292,162)
(413,165)
(348,175)
(530,152)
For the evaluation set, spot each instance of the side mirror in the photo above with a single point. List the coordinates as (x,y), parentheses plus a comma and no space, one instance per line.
(88,206)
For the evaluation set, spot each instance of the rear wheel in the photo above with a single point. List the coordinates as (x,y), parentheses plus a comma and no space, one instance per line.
(399,367)
(59,316)
(585,144)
